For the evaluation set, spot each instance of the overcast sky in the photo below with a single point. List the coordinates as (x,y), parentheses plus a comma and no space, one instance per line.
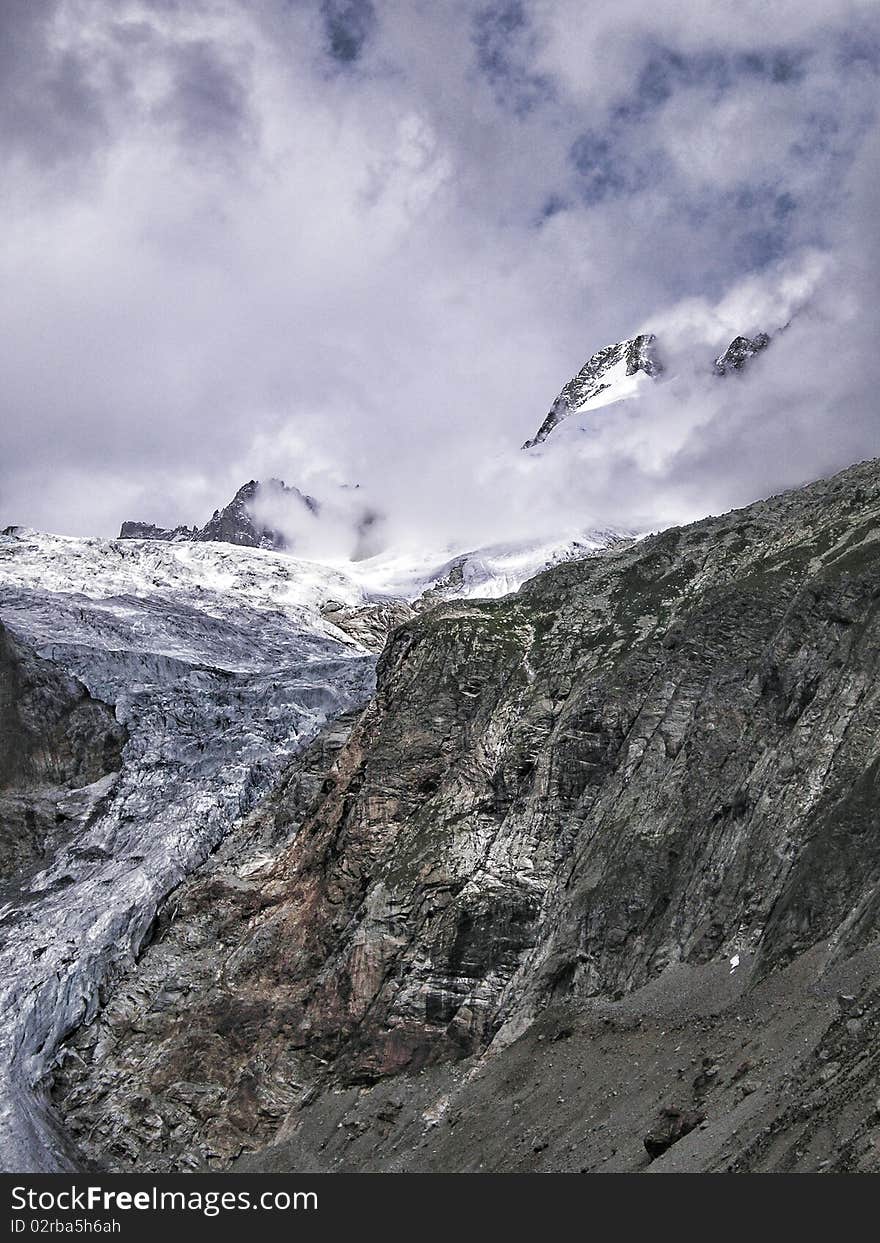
(369,240)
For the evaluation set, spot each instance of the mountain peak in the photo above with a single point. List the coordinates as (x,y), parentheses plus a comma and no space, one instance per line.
(611,374)
(235,523)
(616,372)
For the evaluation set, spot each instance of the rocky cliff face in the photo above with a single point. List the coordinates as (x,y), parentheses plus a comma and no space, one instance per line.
(56,742)
(237,523)
(627,813)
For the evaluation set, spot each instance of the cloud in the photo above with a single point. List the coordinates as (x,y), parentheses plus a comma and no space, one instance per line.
(339,242)
(348,25)
(505,41)
(50,106)
(207,98)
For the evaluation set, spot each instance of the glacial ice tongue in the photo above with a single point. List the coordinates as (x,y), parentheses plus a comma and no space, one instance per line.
(220,665)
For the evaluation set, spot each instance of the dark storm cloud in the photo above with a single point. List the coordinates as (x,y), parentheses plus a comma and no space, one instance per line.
(328,240)
(666,71)
(348,25)
(606,168)
(505,40)
(552,205)
(766,235)
(791,95)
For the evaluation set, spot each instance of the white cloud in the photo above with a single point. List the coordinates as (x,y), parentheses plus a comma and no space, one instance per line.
(242,258)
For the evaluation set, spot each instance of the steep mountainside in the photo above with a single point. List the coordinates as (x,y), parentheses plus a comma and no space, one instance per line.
(150,692)
(601,854)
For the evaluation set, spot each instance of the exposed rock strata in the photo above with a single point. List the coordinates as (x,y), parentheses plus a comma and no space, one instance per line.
(645,776)
(197,1097)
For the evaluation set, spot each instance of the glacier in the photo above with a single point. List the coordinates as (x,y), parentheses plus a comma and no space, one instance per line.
(219,663)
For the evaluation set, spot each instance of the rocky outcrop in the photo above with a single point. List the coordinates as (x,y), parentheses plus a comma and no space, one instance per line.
(738,353)
(237,523)
(639,790)
(370,623)
(671,1125)
(58,745)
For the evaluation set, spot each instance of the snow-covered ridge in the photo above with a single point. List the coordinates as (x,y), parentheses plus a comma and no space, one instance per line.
(620,372)
(482,573)
(615,373)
